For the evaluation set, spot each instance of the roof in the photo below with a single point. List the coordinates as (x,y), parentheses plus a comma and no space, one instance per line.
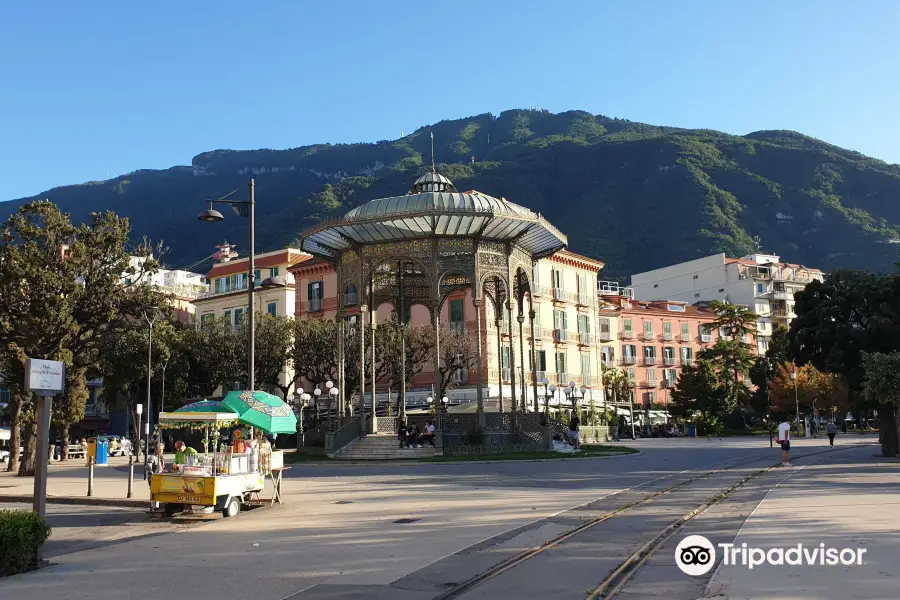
(660,308)
(433,207)
(289,256)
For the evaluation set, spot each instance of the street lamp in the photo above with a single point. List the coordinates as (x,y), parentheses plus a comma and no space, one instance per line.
(244,209)
(150,321)
(334,398)
(430,402)
(317,392)
(444,402)
(139,409)
(162,399)
(796,399)
(546,382)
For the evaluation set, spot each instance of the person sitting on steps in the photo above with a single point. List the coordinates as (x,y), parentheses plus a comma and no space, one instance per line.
(403,436)
(428,434)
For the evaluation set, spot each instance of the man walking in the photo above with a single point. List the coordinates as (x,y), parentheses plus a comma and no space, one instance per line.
(784,438)
(830,429)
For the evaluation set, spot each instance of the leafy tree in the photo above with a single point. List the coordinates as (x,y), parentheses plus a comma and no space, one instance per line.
(617,388)
(273,351)
(699,390)
(68,408)
(765,369)
(881,385)
(732,356)
(815,390)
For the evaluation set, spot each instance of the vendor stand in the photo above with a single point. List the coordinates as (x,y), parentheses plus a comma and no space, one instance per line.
(229,477)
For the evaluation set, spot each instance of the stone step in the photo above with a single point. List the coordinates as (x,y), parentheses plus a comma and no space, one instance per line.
(382,447)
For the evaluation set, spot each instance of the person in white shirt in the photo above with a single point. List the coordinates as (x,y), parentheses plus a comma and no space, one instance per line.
(784,438)
(428,436)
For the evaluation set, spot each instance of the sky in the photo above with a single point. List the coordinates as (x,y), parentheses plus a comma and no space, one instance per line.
(91,90)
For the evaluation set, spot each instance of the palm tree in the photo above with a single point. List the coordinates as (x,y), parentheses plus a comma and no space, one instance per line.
(617,385)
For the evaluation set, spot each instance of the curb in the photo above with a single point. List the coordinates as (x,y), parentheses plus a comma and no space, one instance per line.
(74,500)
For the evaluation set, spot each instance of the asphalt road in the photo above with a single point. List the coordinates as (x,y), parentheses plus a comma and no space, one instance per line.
(405,531)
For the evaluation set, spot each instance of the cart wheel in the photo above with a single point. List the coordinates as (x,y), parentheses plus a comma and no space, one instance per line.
(232,507)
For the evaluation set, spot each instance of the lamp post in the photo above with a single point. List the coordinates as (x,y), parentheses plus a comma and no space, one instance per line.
(552,389)
(329,385)
(445,401)
(796,399)
(430,402)
(244,209)
(150,321)
(317,392)
(139,409)
(546,382)
(583,391)
(334,397)
(162,398)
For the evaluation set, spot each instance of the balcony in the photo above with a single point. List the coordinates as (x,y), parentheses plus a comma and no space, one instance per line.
(651,360)
(668,383)
(627,334)
(562,379)
(667,336)
(687,362)
(541,290)
(564,296)
(629,360)
(605,336)
(560,336)
(685,337)
(670,361)
(223,290)
(649,383)
(706,337)
(648,336)
(783,295)
(584,300)
(585,339)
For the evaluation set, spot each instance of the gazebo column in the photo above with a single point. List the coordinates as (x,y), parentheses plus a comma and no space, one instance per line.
(361,327)
(436,323)
(521,319)
(479,376)
(534,383)
(499,352)
(373,427)
(512,357)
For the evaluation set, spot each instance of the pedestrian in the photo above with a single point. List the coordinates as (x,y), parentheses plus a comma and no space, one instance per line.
(574,424)
(830,429)
(814,427)
(784,439)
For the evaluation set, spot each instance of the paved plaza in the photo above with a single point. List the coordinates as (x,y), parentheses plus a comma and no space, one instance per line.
(416,530)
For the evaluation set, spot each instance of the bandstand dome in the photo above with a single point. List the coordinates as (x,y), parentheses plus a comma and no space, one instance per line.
(433,207)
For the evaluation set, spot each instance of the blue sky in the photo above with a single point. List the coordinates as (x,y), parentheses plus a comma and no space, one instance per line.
(90,90)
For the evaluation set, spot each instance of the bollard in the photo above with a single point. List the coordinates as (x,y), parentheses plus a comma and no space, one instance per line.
(130,475)
(90,476)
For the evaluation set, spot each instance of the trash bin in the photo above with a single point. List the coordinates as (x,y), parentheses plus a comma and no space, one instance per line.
(91,451)
(102,453)
(692,431)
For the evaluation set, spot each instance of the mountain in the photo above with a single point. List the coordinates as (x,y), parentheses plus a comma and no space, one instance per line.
(636,196)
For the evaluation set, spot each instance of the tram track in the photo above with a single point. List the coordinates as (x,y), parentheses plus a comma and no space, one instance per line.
(622,574)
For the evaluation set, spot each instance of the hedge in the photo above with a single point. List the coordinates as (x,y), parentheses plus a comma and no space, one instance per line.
(21,533)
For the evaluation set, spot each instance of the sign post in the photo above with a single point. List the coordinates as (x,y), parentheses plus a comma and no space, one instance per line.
(46,378)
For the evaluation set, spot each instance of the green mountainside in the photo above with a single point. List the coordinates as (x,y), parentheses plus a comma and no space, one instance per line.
(634,195)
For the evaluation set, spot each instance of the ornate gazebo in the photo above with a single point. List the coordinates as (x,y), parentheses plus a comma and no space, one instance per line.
(420,247)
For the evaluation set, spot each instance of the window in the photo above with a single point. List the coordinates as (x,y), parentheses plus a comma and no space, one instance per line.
(535,279)
(667,330)
(630,372)
(669,353)
(351,297)
(676,307)
(559,320)
(586,368)
(457,320)
(541,356)
(537,321)
(557,279)
(648,328)
(272,308)
(687,355)
(584,324)
(206,318)
(651,375)
(227,315)
(221,284)
(238,316)
(650,352)
(256,275)
(760,288)
(561,363)
(696,277)
(651,398)
(604,326)
(315,292)
(504,362)
(607,354)
(629,350)
(273,272)
(685,331)
(627,327)
(761,308)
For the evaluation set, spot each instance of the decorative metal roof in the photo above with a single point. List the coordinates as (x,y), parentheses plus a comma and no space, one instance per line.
(434,207)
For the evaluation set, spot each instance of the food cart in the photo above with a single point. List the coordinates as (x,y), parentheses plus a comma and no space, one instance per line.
(228,477)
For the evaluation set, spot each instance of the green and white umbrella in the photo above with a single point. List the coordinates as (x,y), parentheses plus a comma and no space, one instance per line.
(261,410)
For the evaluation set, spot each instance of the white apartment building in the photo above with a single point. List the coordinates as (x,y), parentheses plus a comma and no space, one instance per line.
(183,286)
(758,281)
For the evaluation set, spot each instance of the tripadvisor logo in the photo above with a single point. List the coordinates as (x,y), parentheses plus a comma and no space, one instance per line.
(695,555)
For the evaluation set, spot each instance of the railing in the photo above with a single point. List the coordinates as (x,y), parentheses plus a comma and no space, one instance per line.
(562,379)
(560,335)
(532,432)
(627,334)
(348,432)
(686,337)
(670,361)
(585,300)
(647,383)
(318,305)
(507,374)
(605,336)
(668,336)
(783,295)
(541,290)
(219,291)
(651,360)
(559,294)
(668,383)
(585,339)
(705,337)
(385,424)
(545,333)
(314,437)
(648,336)
(687,361)
(629,360)
(612,288)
